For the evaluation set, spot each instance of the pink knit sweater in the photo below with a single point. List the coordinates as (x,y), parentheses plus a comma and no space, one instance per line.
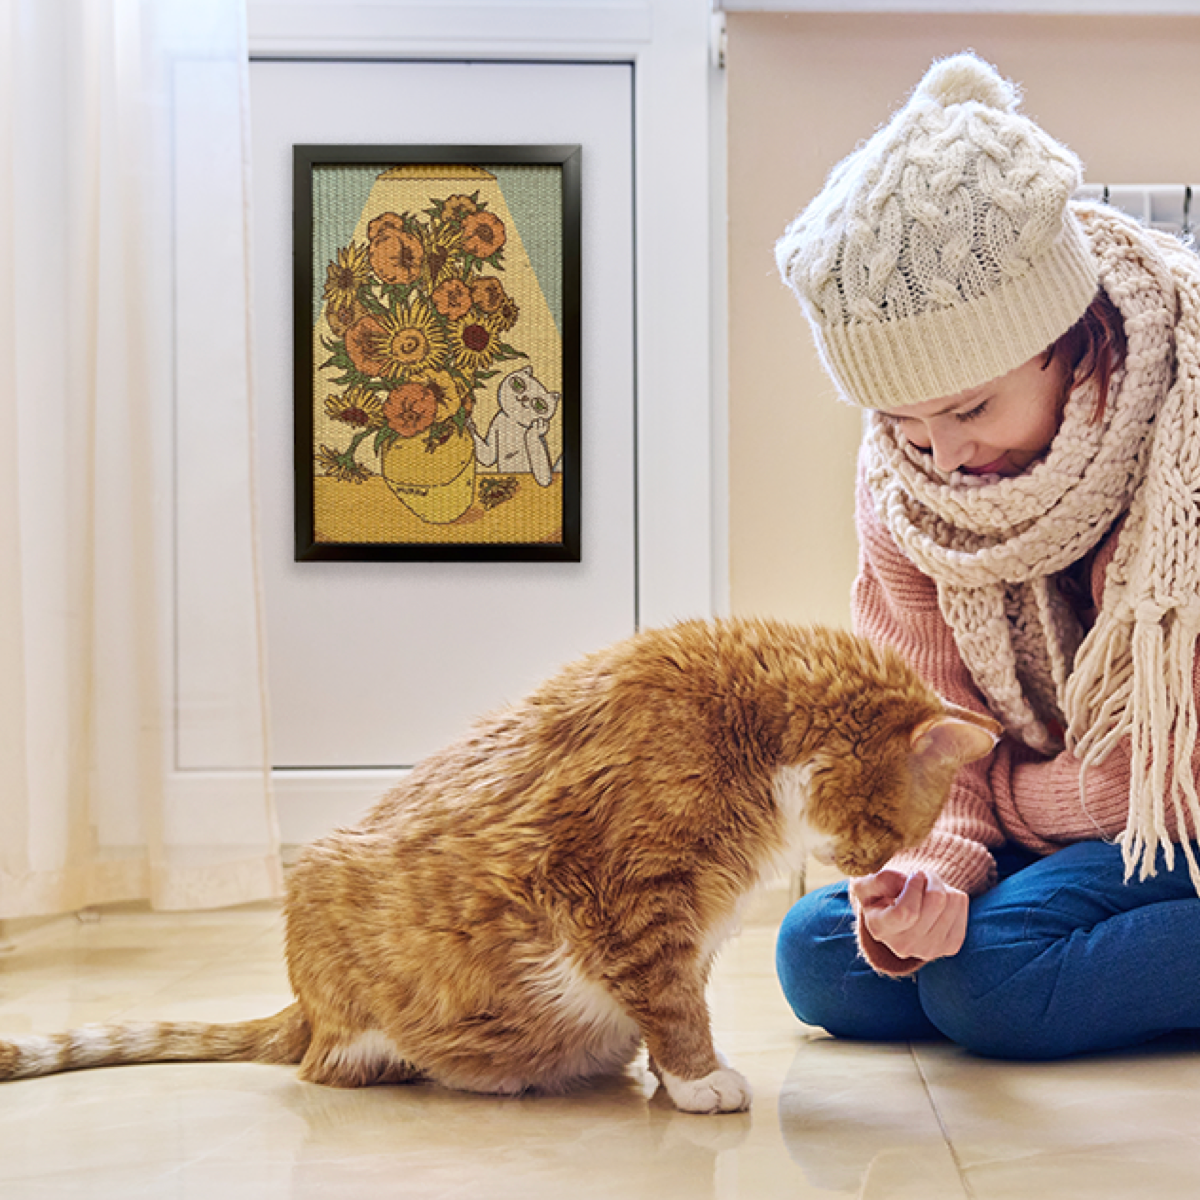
(1013,795)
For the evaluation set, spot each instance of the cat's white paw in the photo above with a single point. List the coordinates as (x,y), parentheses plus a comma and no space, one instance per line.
(723,1090)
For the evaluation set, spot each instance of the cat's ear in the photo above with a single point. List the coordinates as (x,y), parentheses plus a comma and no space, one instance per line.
(954,741)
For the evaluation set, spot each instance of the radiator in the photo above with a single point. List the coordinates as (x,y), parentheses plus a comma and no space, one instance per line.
(1171,207)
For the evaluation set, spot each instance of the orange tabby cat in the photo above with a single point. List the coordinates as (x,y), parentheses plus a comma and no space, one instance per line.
(533,902)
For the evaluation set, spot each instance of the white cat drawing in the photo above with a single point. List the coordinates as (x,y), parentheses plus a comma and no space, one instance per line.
(516,438)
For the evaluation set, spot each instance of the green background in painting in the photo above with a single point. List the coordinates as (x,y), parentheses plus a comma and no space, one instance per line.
(532,192)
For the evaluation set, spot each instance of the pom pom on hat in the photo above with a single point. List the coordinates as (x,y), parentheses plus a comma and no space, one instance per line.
(943,252)
(965,79)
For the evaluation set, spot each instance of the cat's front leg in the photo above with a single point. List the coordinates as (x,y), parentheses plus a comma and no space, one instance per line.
(674,1024)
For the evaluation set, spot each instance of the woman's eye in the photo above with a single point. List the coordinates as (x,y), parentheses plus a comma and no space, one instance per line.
(972,413)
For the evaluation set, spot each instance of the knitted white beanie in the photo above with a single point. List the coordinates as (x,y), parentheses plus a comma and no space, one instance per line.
(942,253)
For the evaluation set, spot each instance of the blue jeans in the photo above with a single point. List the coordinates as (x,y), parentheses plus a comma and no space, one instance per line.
(1061,957)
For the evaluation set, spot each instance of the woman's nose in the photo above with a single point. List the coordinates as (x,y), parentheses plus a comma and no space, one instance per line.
(950,449)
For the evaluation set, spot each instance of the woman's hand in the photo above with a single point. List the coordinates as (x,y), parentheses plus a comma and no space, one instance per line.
(914,916)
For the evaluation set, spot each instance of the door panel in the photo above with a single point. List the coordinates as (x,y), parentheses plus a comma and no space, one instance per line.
(377,664)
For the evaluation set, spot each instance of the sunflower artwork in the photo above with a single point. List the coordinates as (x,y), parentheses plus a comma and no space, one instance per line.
(437,415)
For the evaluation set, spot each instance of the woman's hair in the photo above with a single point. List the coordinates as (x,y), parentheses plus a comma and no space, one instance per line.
(1093,348)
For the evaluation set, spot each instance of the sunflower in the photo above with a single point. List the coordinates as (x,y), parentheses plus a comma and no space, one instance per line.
(341,466)
(345,275)
(474,344)
(452,298)
(365,341)
(457,207)
(443,251)
(488,294)
(493,491)
(506,316)
(359,407)
(499,308)
(483,234)
(388,222)
(342,317)
(397,256)
(399,344)
(411,408)
(449,392)
(415,341)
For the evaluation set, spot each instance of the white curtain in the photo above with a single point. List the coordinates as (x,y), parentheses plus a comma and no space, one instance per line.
(133,758)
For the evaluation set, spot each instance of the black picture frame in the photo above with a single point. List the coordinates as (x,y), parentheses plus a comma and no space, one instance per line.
(390,369)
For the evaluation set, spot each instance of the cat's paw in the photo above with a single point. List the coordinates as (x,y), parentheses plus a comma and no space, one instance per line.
(723,1090)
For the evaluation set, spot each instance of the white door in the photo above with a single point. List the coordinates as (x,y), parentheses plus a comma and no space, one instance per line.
(374,665)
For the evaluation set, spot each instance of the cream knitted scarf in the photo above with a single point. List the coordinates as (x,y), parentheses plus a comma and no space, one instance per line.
(993,547)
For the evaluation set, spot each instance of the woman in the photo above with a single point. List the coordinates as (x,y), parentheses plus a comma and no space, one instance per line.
(1029,520)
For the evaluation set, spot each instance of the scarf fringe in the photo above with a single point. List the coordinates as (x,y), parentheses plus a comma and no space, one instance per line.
(1155,706)
(1098,693)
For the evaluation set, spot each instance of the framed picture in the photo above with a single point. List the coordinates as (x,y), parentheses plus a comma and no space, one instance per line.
(437,352)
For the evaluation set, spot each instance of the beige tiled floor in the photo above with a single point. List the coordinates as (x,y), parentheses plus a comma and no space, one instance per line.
(830,1119)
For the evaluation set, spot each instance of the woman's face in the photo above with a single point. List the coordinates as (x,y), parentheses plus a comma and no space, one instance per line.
(999,428)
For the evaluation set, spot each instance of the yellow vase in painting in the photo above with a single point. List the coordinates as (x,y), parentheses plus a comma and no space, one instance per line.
(435,481)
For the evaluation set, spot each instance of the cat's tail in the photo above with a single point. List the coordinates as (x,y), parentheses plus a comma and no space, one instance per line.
(282,1038)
